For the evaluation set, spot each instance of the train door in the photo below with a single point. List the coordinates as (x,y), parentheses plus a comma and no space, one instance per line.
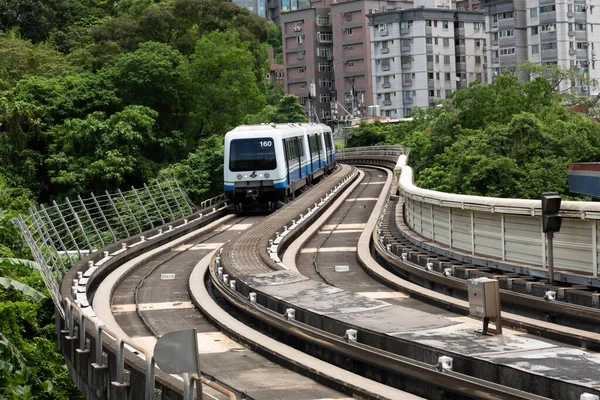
(319,139)
(286,147)
(300,153)
(328,147)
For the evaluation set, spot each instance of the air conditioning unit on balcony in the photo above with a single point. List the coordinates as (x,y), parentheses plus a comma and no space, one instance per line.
(329,58)
(584,88)
(484,48)
(297,29)
(484,65)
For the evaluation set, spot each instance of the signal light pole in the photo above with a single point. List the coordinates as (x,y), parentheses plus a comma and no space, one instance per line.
(551,222)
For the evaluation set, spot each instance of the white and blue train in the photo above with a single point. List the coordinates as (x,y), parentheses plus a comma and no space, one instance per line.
(264,164)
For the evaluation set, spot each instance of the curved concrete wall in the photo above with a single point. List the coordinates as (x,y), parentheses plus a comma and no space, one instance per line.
(504,229)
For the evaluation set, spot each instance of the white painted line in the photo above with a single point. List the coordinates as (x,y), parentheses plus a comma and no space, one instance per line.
(169,305)
(201,246)
(240,227)
(384,295)
(340,231)
(373,183)
(216,342)
(342,226)
(327,249)
(363,199)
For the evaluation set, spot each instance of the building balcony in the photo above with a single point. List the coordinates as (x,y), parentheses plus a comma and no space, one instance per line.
(570,14)
(385,50)
(430,84)
(406,66)
(387,102)
(386,85)
(407,83)
(408,101)
(572,52)
(405,48)
(571,33)
(385,67)
(384,33)
(404,31)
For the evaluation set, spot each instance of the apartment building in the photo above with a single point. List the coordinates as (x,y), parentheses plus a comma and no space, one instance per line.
(308,59)
(562,32)
(423,54)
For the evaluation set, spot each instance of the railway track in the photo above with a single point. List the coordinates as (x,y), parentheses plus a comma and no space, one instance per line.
(144,308)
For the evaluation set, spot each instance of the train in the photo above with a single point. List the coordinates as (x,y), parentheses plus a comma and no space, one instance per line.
(266,164)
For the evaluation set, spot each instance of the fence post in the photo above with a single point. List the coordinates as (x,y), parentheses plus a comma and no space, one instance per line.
(53,227)
(46,245)
(175,198)
(63,269)
(68,229)
(155,205)
(104,217)
(166,201)
(90,247)
(184,197)
(117,211)
(129,209)
(87,213)
(142,205)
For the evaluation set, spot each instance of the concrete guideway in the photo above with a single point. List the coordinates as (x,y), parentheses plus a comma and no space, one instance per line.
(293,290)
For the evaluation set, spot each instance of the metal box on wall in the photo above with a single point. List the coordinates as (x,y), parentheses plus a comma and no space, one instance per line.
(483,297)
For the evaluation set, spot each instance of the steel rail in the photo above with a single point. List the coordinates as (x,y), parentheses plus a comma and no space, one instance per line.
(451,381)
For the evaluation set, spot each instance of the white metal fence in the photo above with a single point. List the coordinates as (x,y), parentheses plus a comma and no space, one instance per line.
(505,229)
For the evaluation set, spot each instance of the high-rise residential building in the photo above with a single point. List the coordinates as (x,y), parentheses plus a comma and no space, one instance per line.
(423,54)
(470,5)
(562,32)
(308,59)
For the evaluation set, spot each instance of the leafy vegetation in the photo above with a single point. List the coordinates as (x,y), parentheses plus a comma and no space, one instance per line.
(98,95)
(507,139)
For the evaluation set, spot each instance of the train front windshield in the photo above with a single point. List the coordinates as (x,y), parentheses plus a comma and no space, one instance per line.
(252,154)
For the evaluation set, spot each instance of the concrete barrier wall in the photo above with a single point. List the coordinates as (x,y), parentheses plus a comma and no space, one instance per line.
(505,229)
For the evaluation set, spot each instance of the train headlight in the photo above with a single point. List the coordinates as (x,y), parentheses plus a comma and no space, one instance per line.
(267,175)
(245,175)
(239,176)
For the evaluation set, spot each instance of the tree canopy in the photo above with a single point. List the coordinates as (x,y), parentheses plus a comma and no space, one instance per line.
(506,139)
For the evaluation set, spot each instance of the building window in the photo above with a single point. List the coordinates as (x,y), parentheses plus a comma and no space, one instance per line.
(508,51)
(301,70)
(407,78)
(446,42)
(445,25)
(477,60)
(437,76)
(446,59)
(535,49)
(326,114)
(325,82)
(350,48)
(477,43)
(548,46)
(437,58)
(506,33)
(349,31)
(300,39)
(478,76)
(323,52)
(447,76)
(549,28)
(324,98)
(435,40)
(534,30)
(533,12)
(386,80)
(430,75)
(429,58)
(323,20)
(382,27)
(324,37)
(428,23)
(324,67)
(302,85)
(428,40)
(302,100)
(408,95)
(448,93)
(545,9)
(350,64)
(477,26)
(582,45)
(506,15)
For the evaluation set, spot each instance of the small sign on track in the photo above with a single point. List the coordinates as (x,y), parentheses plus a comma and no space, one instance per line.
(342,268)
(167,277)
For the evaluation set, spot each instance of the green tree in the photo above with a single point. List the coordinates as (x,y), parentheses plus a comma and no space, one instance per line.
(221,84)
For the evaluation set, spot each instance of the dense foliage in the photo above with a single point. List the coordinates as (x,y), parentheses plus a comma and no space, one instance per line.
(508,139)
(98,95)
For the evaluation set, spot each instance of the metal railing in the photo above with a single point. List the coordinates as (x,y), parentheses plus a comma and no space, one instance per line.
(61,234)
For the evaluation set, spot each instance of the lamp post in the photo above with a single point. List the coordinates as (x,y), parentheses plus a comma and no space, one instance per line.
(551,222)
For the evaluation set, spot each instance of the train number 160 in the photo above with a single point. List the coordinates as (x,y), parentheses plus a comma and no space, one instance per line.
(266,143)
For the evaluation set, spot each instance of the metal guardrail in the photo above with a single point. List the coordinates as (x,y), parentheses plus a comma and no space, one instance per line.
(508,230)
(61,234)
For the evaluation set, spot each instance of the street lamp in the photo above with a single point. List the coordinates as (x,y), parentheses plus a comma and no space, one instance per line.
(551,222)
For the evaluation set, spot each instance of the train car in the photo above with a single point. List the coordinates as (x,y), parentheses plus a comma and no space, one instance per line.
(265,164)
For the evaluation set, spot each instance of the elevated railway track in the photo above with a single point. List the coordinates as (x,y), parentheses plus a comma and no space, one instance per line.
(334,328)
